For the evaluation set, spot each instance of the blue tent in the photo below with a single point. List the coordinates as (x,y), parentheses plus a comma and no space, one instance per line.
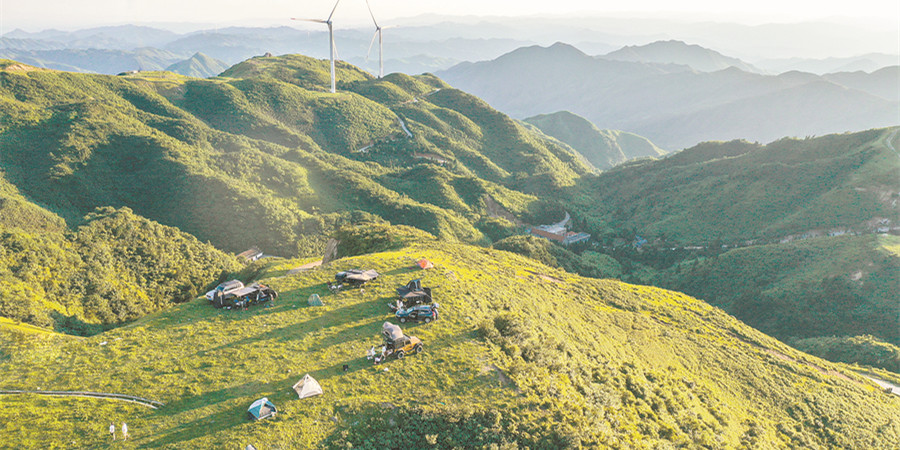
(261,409)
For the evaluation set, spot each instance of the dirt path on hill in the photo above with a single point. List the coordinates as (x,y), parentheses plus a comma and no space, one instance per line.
(889,144)
(85,394)
(496,210)
(821,370)
(305,267)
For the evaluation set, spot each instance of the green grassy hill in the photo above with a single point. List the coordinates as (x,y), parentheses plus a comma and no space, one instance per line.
(114,268)
(603,148)
(522,356)
(262,156)
(737,191)
(821,287)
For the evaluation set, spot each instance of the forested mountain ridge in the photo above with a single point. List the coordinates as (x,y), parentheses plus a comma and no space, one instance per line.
(738,191)
(264,156)
(258,157)
(603,148)
(214,157)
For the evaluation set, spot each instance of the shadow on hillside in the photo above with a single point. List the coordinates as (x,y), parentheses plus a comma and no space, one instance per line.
(211,398)
(412,268)
(359,311)
(211,424)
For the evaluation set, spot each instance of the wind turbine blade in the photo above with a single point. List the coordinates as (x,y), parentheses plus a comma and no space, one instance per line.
(371,44)
(333,10)
(309,20)
(373,15)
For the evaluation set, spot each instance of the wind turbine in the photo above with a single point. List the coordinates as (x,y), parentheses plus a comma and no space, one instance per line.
(380,35)
(330,37)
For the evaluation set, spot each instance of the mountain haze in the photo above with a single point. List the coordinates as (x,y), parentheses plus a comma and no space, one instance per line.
(679,52)
(671,106)
(198,66)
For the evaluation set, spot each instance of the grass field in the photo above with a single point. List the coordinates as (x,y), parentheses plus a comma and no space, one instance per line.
(522,355)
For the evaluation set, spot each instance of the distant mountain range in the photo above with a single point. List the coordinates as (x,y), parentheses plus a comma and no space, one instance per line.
(673,105)
(199,66)
(603,148)
(677,52)
(867,63)
(431,44)
(111,50)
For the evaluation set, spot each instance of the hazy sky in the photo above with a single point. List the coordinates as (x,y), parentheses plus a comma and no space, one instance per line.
(34,15)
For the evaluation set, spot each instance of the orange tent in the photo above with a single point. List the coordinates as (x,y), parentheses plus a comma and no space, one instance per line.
(424,264)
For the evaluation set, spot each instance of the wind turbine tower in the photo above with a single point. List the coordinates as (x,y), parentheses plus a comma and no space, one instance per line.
(380,35)
(330,38)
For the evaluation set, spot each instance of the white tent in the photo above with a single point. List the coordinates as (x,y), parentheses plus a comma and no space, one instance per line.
(308,387)
(314,300)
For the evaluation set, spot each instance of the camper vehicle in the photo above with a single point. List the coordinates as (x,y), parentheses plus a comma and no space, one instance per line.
(225,287)
(414,294)
(417,313)
(242,298)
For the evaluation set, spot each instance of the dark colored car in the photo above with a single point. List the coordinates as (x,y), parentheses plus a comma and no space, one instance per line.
(417,313)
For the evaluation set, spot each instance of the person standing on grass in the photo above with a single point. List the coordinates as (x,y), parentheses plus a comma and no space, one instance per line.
(112,430)
(124,431)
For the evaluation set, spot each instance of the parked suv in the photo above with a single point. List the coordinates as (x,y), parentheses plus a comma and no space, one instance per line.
(417,313)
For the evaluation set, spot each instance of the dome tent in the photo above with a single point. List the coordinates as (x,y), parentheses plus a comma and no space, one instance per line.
(262,409)
(315,300)
(308,387)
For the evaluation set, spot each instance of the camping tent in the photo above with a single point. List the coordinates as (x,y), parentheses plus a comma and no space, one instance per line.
(307,387)
(391,332)
(262,408)
(424,264)
(357,275)
(314,300)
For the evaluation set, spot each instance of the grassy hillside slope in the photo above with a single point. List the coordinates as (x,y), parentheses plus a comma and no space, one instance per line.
(523,355)
(603,148)
(821,287)
(114,268)
(737,191)
(262,156)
